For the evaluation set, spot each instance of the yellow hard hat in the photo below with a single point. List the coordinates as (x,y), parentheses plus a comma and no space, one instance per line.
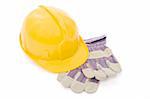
(51,39)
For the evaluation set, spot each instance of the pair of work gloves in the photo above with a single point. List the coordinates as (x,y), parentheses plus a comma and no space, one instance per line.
(100,65)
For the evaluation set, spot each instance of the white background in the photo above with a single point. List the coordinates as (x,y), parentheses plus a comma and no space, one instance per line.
(126,24)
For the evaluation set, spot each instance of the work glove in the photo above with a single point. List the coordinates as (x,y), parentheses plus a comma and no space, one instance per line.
(101,63)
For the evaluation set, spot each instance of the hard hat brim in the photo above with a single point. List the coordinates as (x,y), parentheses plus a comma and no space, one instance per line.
(57,66)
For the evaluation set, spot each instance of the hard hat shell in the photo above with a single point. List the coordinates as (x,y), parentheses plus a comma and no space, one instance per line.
(51,39)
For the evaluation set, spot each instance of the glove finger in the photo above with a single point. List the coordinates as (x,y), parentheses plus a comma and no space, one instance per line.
(89,68)
(100,75)
(92,70)
(69,78)
(113,64)
(78,85)
(82,83)
(61,76)
(91,85)
(104,67)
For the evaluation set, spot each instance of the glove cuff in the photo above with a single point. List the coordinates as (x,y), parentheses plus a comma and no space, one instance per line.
(96,43)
